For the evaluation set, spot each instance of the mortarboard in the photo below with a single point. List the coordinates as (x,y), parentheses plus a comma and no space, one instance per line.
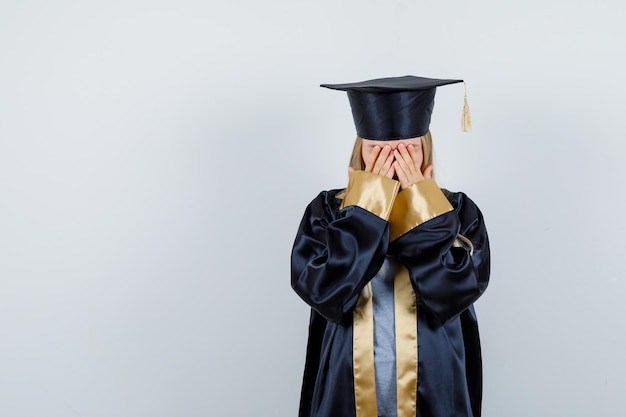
(394,108)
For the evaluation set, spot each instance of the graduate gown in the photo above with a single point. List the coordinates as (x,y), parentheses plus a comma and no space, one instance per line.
(341,245)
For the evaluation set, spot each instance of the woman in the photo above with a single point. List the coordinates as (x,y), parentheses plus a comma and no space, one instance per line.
(391,267)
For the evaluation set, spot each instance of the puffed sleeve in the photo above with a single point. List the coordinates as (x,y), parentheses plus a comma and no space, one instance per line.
(447,278)
(337,251)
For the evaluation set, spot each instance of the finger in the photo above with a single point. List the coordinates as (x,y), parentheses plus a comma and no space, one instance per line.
(428,172)
(402,177)
(416,155)
(351,169)
(406,157)
(391,172)
(379,165)
(403,163)
(388,163)
(369,164)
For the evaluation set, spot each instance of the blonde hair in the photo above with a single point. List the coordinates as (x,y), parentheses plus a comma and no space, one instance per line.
(356,162)
(356,159)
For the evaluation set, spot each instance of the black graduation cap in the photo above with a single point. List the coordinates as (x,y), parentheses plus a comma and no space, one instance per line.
(394,108)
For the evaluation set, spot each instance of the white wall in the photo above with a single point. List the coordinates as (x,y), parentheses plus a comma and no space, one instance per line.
(156,157)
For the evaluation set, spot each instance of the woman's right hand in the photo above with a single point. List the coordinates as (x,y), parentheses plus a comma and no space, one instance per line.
(380,162)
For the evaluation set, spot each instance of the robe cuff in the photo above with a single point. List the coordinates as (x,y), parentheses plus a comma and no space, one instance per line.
(371,192)
(415,205)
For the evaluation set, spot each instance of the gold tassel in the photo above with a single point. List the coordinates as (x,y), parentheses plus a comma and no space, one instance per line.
(466,120)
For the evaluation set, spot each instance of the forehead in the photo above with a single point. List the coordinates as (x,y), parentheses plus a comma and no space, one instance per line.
(392,143)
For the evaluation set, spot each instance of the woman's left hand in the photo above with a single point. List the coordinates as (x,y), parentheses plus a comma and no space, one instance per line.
(408,165)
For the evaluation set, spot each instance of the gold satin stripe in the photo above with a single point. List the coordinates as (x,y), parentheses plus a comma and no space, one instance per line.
(372,192)
(406,342)
(363,356)
(416,205)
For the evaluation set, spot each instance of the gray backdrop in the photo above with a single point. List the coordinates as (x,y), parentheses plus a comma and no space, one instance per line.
(156,158)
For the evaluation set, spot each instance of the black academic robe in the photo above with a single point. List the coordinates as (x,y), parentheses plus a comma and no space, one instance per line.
(336,253)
